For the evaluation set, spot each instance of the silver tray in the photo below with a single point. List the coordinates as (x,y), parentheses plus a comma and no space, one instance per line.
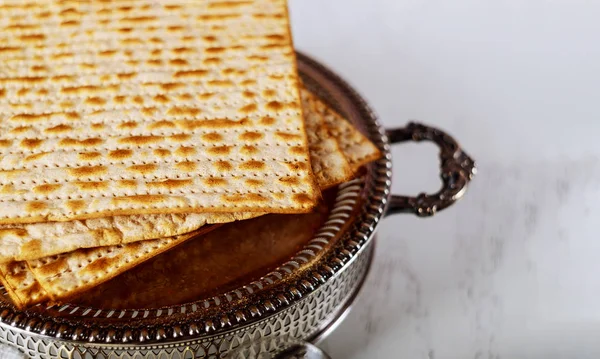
(301,299)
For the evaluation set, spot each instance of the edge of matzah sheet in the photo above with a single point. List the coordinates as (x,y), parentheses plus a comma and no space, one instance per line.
(69,274)
(86,161)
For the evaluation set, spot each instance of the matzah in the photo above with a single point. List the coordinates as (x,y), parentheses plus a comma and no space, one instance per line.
(140,107)
(60,277)
(37,240)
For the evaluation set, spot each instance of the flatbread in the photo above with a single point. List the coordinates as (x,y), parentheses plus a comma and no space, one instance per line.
(31,241)
(66,275)
(206,100)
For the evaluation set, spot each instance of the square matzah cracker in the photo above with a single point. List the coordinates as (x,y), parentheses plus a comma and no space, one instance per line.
(129,107)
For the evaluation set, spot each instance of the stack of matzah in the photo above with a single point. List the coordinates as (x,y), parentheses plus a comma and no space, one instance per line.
(127,126)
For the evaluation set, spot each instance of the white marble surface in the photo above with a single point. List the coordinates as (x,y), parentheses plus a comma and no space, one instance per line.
(512,271)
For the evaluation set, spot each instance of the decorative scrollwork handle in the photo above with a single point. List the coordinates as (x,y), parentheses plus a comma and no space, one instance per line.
(456,170)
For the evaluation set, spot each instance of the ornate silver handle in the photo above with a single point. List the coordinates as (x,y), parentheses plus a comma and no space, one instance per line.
(456,170)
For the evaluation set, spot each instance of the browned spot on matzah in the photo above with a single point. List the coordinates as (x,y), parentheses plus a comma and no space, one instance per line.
(56,266)
(174,28)
(31,143)
(205,96)
(288,136)
(46,188)
(249,197)
(170,86)
(7,189)
(9,49)
(144,169)
(120,99)
(302,199)
(185,151)
(36,206)
(87,171)
(61,78)
(212,60)
(186,166)
(291,180)
(127,75)
(156,40)
(138,100)
(296,166)
(72,142)
(215,123)
(212,137)
(127,183)
(2,92)
(22,27)
(66,105)
(184,111)
(215,182)
(170,183)
(228,4)
(89,156)
(182,50)
(191,73)
(186,97)
(254,182)
(154,62)
(32,37)
(257,58)
(32,246)
(269,93)
(91,186)
(179,62)
(219,150)
(5,143)
(248,94)
(61,56)
(252,165)
(140,140)
(138,19)
(70,23)
(161,124)
(23,92)
(59,129)
(120,154)
(248,82)
(181,137)
(39,68)
(221,83)
(249,150)
(217,17)
(128,125)
(35,157)
(99,265)
(161,152)
(276,37)
(267,121)
(21,129)
(248,108)
(95,101)
(297,150)
(87,66)
(107,53)
(98,126)
(223,166)
(76,205)
(149,111)
(250,136)
(126,30)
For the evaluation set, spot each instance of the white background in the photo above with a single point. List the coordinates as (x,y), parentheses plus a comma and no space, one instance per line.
(513,270)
